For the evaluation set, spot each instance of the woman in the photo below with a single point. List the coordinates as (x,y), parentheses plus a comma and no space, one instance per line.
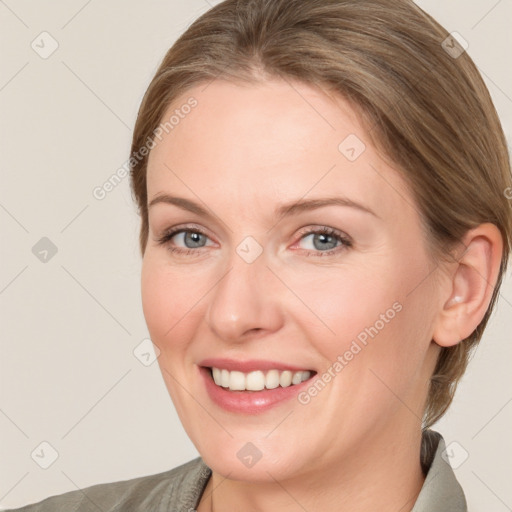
(325,228)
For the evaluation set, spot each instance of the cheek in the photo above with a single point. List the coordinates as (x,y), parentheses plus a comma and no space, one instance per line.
(156,294)
(345,302)
(369,314)
(168,299)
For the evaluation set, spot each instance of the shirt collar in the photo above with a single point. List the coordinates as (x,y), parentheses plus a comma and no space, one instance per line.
(441,490)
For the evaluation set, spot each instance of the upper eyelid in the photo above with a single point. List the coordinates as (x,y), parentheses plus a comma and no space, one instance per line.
(189,227)
(302,231)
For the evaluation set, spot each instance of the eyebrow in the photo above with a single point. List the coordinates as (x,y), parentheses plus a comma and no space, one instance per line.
(285,210)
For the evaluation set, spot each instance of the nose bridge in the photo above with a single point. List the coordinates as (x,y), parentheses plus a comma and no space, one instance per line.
(242,300)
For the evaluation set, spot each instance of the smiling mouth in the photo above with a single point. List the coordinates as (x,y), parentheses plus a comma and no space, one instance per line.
(258,380)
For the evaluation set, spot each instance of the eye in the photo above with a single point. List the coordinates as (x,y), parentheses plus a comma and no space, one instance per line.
(323,241)
(184,240)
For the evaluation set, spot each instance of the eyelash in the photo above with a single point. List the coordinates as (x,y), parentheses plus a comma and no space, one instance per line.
(324,230)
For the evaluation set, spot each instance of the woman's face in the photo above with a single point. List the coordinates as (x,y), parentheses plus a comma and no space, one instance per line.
(297,255)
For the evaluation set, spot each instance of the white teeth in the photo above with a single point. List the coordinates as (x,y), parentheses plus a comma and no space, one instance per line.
(285,379)
(224,379)
(297,378)
(272,379)
(216,376)
(257,380)
(236,381)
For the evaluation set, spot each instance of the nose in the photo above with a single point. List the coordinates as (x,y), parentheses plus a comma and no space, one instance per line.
(245,302)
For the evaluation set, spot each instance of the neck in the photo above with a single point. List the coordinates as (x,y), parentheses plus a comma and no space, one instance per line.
(386,476)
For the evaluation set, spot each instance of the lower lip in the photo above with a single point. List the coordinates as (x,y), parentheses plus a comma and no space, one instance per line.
(249,402)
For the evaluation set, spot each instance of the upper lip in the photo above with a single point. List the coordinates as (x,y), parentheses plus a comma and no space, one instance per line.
(249,365)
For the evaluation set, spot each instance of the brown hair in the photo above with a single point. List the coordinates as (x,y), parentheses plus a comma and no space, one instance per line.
(425,107)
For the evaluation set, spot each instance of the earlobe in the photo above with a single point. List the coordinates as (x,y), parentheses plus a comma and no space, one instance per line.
(471,285)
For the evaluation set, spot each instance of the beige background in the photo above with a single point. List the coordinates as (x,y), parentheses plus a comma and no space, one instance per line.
(69,376)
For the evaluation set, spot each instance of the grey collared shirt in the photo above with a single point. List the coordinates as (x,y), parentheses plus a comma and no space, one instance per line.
(440,491)
(180,489)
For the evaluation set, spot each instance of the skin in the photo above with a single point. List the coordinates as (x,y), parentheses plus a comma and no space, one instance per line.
(241,153)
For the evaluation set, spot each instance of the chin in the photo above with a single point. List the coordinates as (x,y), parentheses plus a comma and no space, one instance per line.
(250,455)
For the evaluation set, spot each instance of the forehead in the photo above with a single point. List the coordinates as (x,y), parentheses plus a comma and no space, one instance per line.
(275,140)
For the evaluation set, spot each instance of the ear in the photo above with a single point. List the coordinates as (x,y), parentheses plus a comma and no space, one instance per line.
(471,284)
